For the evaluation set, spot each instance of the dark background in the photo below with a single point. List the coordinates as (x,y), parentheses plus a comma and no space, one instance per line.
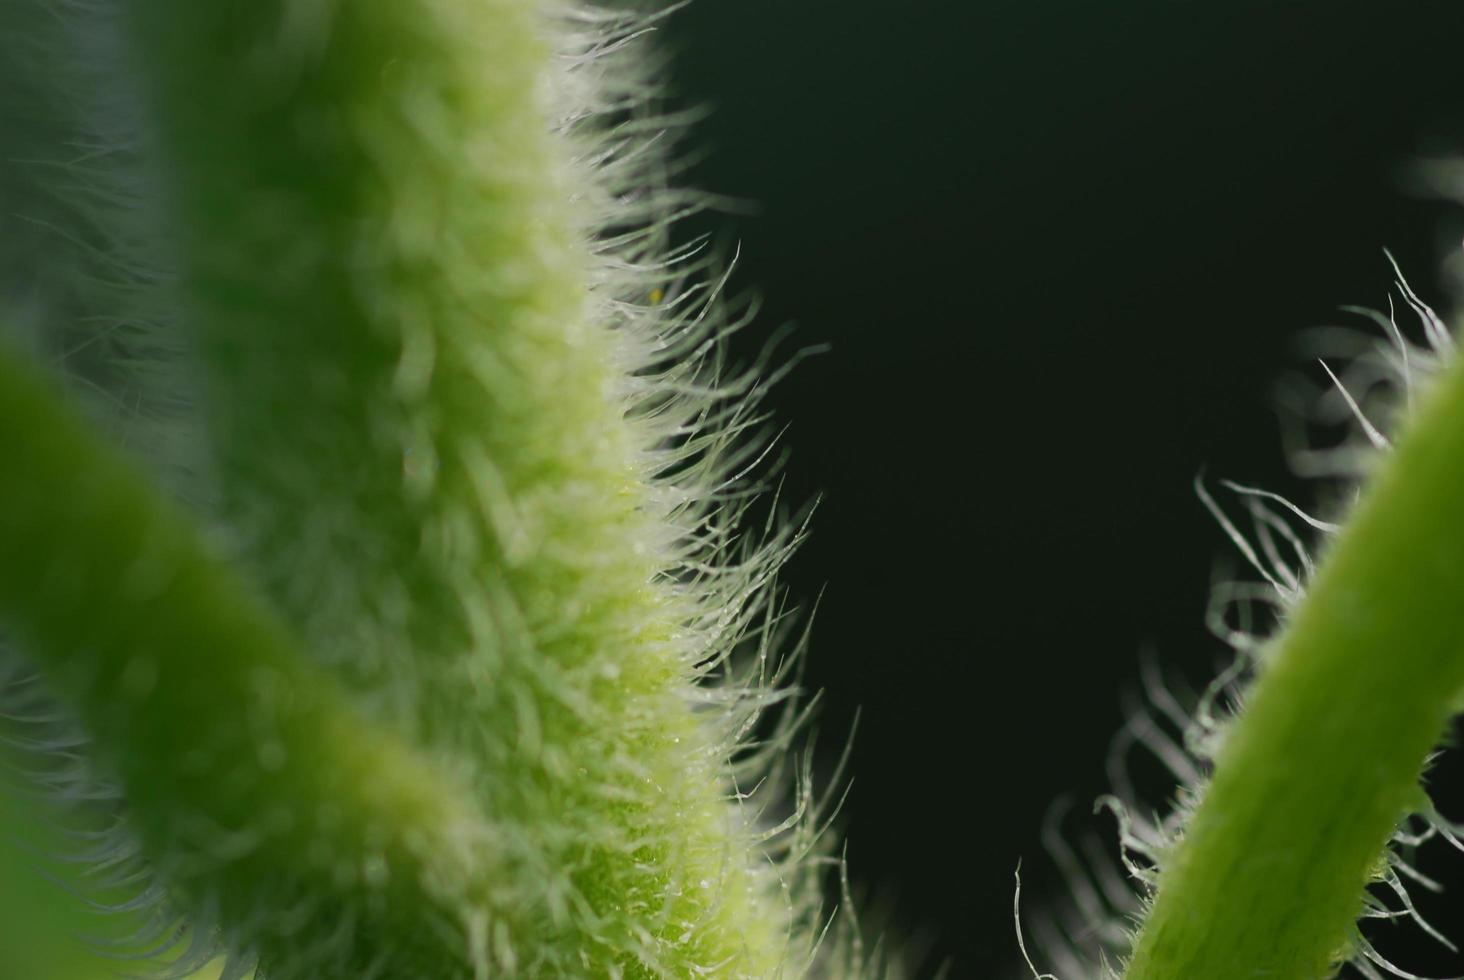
(1062,253)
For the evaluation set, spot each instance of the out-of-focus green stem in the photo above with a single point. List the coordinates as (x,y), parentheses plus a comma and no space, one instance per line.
(243,767)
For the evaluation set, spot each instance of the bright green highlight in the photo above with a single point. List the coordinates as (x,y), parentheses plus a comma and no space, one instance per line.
(1324,761)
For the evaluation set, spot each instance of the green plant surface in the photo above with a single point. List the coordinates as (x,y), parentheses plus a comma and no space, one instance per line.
(58,924)
(431,674)
(242,763)
(49,933)
(418,648)
(1324,761)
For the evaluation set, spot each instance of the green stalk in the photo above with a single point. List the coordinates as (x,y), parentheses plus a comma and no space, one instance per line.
(1325,760)
(246,774)
(454,726)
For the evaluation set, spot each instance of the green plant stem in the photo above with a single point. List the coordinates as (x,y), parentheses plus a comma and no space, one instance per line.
(423,441)
(43,919)
(243,767)
(1325,758)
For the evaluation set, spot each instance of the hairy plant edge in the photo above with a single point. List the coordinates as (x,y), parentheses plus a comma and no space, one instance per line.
(377,128)
(1315,774)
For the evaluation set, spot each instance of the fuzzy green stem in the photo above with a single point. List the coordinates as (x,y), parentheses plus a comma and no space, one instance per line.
(423,439)
(1325,759)
(244,769)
